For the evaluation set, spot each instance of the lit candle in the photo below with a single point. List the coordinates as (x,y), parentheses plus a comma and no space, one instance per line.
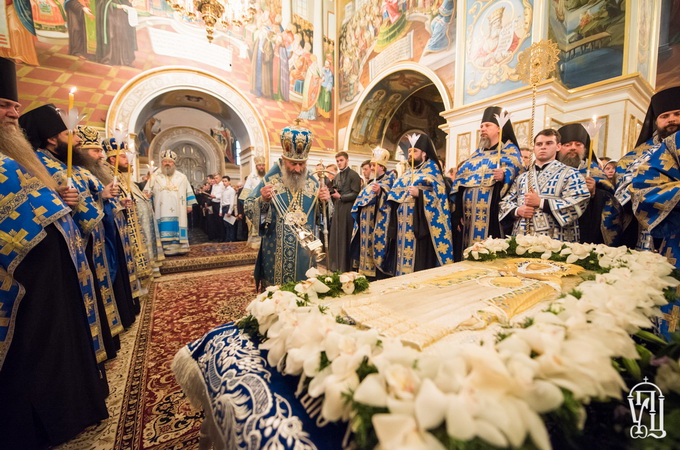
(590,149)
(115,169)
(69,154)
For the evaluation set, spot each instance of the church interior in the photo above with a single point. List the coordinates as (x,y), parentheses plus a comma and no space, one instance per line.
(502,355)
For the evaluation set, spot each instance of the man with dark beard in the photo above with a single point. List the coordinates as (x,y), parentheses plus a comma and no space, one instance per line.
(91,156)
(286,202)
(50,387)
(419,227)
(574,153)
(481,182)
(620,227)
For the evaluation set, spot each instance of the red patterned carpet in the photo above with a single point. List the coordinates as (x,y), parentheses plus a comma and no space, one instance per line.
(182,307)
(210,256)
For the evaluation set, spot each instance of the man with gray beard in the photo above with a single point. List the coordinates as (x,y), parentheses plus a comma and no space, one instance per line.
(50,340)
(286,203)
(173,198)
(574,153)
(140,200)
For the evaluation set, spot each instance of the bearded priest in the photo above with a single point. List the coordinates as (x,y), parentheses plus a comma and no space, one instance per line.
(286,204)
(173,198)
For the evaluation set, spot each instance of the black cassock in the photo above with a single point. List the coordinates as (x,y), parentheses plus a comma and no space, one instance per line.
(50,388)
(348,184)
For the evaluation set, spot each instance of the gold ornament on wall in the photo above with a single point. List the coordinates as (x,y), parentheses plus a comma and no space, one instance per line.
(216,13)
(534,65)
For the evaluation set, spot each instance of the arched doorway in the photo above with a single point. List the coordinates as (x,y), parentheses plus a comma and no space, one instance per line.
(198,154)
(406,97)
(190,98)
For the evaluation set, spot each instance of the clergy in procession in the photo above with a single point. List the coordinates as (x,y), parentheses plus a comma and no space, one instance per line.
(124,272)
(47,132)
(548,198)
(574,152)
(371,215)
(656,204)
(346,187)
(142,203)
(621,225)
(87,155)
(126,219)
(172,199)
(286,202)
(50,340)
(420,220)
(482,180)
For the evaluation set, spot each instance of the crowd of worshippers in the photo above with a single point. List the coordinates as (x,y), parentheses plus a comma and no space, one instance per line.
(79,250)
(219,211)
(397,222)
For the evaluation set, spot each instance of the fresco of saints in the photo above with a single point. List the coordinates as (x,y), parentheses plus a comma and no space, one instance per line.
(498,42)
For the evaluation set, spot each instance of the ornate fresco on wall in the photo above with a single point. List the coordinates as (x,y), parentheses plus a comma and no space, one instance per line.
(495,31)
(375,34)
(99,45)
(590,35)
(668,74)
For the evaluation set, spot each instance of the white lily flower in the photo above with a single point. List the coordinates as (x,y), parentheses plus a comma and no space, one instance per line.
(430,405)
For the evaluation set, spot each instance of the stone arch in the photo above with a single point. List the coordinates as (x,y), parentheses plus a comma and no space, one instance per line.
(132,98)
(429,76)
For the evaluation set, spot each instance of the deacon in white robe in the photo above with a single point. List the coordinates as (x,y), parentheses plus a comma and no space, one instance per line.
(549,198)
(172,198)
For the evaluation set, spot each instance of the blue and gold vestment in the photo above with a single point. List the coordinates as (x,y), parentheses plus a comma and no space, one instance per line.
(428,178)
(371,213)
(619,225)
(127,226)
(26,208)
(656,203)
(476,194)
(88,215)
(281,258)
(563,189)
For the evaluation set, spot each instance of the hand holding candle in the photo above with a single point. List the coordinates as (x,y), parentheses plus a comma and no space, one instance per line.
(502,119)
(71,120)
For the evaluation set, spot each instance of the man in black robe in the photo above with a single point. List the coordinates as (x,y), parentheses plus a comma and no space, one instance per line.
(346,188)
(50,386)
(77,31)
(574,152)
(116,39)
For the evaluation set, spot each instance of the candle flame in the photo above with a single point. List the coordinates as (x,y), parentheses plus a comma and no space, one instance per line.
(73,90)
(594,118)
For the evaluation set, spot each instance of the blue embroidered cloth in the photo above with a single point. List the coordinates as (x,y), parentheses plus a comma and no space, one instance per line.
(252,404)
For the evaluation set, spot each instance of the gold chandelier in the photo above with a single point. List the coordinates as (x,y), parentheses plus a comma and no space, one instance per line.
(216,13)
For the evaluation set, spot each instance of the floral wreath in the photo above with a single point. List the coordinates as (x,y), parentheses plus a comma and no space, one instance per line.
(501,393)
